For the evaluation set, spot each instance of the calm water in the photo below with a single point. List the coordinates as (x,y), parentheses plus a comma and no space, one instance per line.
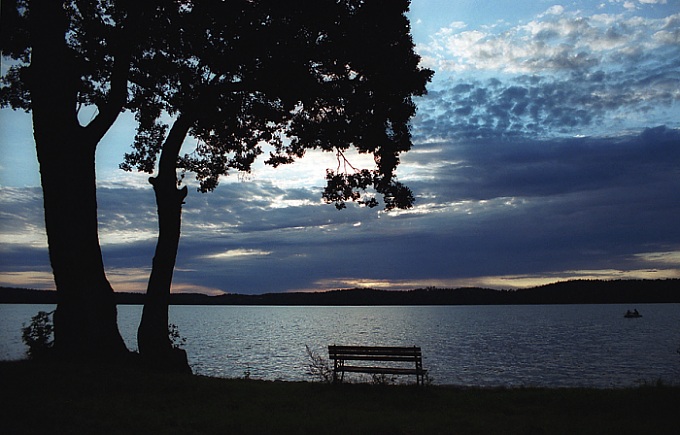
(547,345)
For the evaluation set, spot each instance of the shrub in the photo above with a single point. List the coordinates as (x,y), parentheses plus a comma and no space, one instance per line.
(38,335)
(382,379)
(318,367)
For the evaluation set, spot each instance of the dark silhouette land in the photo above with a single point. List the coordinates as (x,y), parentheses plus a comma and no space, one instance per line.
(568,292)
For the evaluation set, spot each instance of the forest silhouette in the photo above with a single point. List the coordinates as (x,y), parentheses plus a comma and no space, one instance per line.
(566,292)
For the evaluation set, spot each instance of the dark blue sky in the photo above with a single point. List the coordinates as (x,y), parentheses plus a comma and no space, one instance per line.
(548,148)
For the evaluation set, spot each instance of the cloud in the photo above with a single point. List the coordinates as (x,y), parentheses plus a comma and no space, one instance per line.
(550,207)
(489,168)
(553,10)
(233,254)
(563,73)
(555,42)
(537,106)
(34,279)
(630,4)
(16,218)
(670,258)
(488,212)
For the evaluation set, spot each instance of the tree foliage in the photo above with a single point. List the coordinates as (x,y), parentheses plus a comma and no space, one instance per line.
(295,75)
(291,75)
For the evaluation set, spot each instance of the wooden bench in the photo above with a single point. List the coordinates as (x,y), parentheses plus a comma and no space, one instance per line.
(407,356)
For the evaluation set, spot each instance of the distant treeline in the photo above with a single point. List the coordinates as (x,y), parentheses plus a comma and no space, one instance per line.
(568,292)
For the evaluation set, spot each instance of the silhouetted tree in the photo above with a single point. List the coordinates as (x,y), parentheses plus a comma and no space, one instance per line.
(297,75)
(67,55)
(303,75)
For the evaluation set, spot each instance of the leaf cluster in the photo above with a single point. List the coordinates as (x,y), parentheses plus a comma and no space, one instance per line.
(245,76)
(99,38)
(176,339)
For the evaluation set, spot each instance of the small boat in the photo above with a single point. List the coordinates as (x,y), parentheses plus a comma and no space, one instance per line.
(632,314)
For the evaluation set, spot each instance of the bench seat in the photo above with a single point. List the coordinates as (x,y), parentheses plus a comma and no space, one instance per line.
(403,355)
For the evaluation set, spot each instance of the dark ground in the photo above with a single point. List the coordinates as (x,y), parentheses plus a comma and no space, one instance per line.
(39,398)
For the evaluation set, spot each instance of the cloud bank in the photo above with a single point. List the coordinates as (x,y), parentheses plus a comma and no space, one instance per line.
(488,212)
(547,149)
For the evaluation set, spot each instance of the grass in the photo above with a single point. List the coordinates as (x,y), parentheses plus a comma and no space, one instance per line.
(38,398)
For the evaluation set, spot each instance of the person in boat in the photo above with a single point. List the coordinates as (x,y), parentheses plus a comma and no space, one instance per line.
(633,313)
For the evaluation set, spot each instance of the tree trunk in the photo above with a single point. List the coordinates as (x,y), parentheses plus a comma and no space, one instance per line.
(152,336)
(85,323)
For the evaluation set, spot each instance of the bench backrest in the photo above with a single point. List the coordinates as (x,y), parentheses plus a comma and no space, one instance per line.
(374,353)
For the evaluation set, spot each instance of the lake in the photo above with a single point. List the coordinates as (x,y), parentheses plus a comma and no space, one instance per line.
(489,346)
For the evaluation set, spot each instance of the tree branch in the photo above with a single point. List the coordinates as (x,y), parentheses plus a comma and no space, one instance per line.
(167,165)
(118,92)
(108,112)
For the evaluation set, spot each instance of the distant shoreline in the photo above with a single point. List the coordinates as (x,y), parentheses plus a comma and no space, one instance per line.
(567,292)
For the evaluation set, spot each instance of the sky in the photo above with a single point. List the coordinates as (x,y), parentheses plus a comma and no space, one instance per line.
(547,149)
